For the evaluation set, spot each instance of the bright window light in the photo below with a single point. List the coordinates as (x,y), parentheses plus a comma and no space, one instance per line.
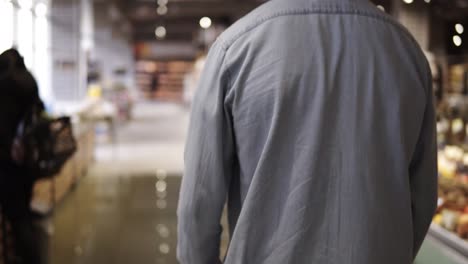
(7,21)
(42,59)
(26,4)
(205,22)
(459,28)
(457,40)
(41,35)
(25,35)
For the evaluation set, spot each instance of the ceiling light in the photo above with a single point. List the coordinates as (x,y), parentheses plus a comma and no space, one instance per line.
(162,10)
(160,32)
(164,248)
(162,2)
(381,8)
(457,40)
(205,22)
(427,1)
(408,1)
(161,186)
(459,28)
(41,9)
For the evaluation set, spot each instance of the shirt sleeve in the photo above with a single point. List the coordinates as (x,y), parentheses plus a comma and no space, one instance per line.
(209,153)
(423,175)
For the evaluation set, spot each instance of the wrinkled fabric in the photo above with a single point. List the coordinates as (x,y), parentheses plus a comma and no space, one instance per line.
(314,121)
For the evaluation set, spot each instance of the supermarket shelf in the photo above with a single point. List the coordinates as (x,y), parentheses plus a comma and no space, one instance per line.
(49,192)
(450,239)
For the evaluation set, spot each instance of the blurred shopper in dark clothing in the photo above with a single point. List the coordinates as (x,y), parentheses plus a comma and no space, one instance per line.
(154,84)
(18,93)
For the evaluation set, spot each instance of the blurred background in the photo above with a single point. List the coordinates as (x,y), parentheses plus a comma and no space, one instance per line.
(126,72)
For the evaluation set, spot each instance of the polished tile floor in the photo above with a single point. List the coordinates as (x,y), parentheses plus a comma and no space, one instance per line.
(124,211)
(118,221)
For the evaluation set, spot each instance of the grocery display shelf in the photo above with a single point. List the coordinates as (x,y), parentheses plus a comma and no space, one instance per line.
(450,239)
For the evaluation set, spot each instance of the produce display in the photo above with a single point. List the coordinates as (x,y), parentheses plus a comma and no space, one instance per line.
(452,211)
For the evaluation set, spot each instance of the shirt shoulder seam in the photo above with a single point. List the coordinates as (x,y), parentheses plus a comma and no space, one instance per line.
(227,43)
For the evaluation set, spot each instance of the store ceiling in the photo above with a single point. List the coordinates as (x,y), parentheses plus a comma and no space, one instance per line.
(451,9)
(182,17)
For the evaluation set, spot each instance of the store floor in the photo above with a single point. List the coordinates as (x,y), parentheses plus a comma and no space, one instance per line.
(124,211)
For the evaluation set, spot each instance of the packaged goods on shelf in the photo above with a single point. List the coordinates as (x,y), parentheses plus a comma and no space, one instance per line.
(450,223)
(452,210)
(162,79)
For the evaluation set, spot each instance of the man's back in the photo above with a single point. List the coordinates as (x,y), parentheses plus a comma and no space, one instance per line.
(315,118)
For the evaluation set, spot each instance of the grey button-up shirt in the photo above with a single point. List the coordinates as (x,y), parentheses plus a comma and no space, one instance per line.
(314,120)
